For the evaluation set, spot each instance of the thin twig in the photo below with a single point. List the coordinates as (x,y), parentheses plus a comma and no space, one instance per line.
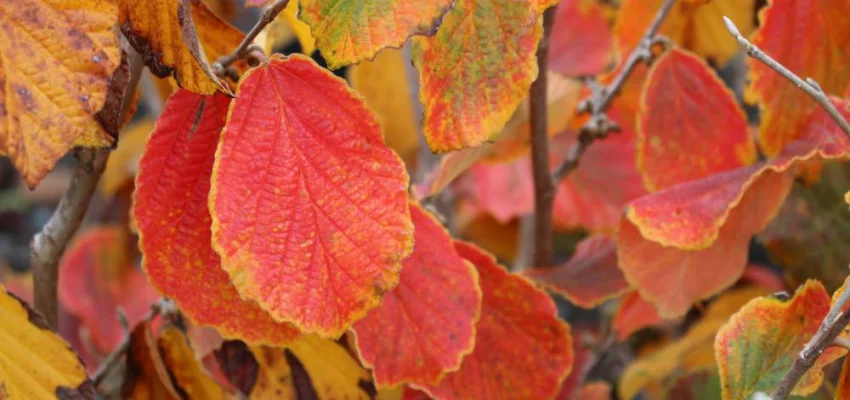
(544,189)
(808,85)
(122,347)
(49,244)
(833,324)
(599,125)
(245,47)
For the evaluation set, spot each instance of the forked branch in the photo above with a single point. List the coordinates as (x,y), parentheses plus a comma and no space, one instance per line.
(599,125)
(836,320)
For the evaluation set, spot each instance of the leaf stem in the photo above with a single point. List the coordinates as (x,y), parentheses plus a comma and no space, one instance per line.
(599,125)
(122,347)
(245,47)
(809,85)
(544,188)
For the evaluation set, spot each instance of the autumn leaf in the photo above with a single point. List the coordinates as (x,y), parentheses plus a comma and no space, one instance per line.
(583,361)
(820,50)
(147,376)
(36,362)
(217,37)
(124,161)
(684,106)
(590,277)
(187,372)
(694,237)
(595,391)
(98,278)
(518,331)
(310,367)
(51,93)
(581,41)
(384,85)
(170,210)
(426,325)
(476,70)
(692,352)
(696,27)
(633,314)
(349,32)
(309,206)
(759,344)
(842,390)
(163,32)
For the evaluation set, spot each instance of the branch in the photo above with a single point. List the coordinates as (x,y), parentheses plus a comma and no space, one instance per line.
(834,322)
(599,125)
(544,188)
(49,244)
(809,85)
(245,47)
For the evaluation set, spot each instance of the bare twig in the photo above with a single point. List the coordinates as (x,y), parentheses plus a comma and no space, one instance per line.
(834,322)
(245,47)
(544,189)
(113,358)
(49,244)
(808,85)
(599,125)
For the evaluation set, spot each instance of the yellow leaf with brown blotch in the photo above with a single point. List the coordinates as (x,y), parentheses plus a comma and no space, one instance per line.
(163,32)
(187,372)
(35,363)
(56,62)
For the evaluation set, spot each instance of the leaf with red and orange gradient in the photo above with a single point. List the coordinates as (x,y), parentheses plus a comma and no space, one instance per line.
(426,325)
(690,241)
(476,70)
(58,60)
(633,314)
(173,220)
(684,106)
(519,330)
(164,34)
(347,32)
(694,26)
(821,36)
(309,206)
(98,277)
(756,348)
(590,277)
(581,42)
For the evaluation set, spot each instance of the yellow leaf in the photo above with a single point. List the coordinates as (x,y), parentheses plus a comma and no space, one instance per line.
(384,84)
(301,30)
(56,61)
(164,34)
(147,377)
(186,370)
(35,363)
(124,161)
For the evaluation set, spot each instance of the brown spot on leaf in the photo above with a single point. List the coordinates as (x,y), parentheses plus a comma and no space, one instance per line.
(238,364)
(83,392)
(304,389)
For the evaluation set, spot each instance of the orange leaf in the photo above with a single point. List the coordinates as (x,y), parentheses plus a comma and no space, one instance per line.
(147,376)
(97,278)
(217,37)
(164,34)
(187,372)
(633,314)
(595,391)
(309,206)
(590,277)
(819,31)
(123,162)
(53,91)
(173,221)
(36,363)
(842,390)
(684,106)
(349,32)
(694,26)
(756,348)
(426,325)
(476,70)
(581,41)
(694,237)
(519,331)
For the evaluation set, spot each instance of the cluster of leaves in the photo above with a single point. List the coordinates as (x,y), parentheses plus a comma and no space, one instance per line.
(276,208)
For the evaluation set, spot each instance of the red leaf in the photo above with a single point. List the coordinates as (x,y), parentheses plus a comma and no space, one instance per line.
(174,221)
(581,41)
(684,106)
(634,314)
(590,277)
(688,242)
(519,331)
(424,326)
(820,33)
(309,206)
(97,278)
